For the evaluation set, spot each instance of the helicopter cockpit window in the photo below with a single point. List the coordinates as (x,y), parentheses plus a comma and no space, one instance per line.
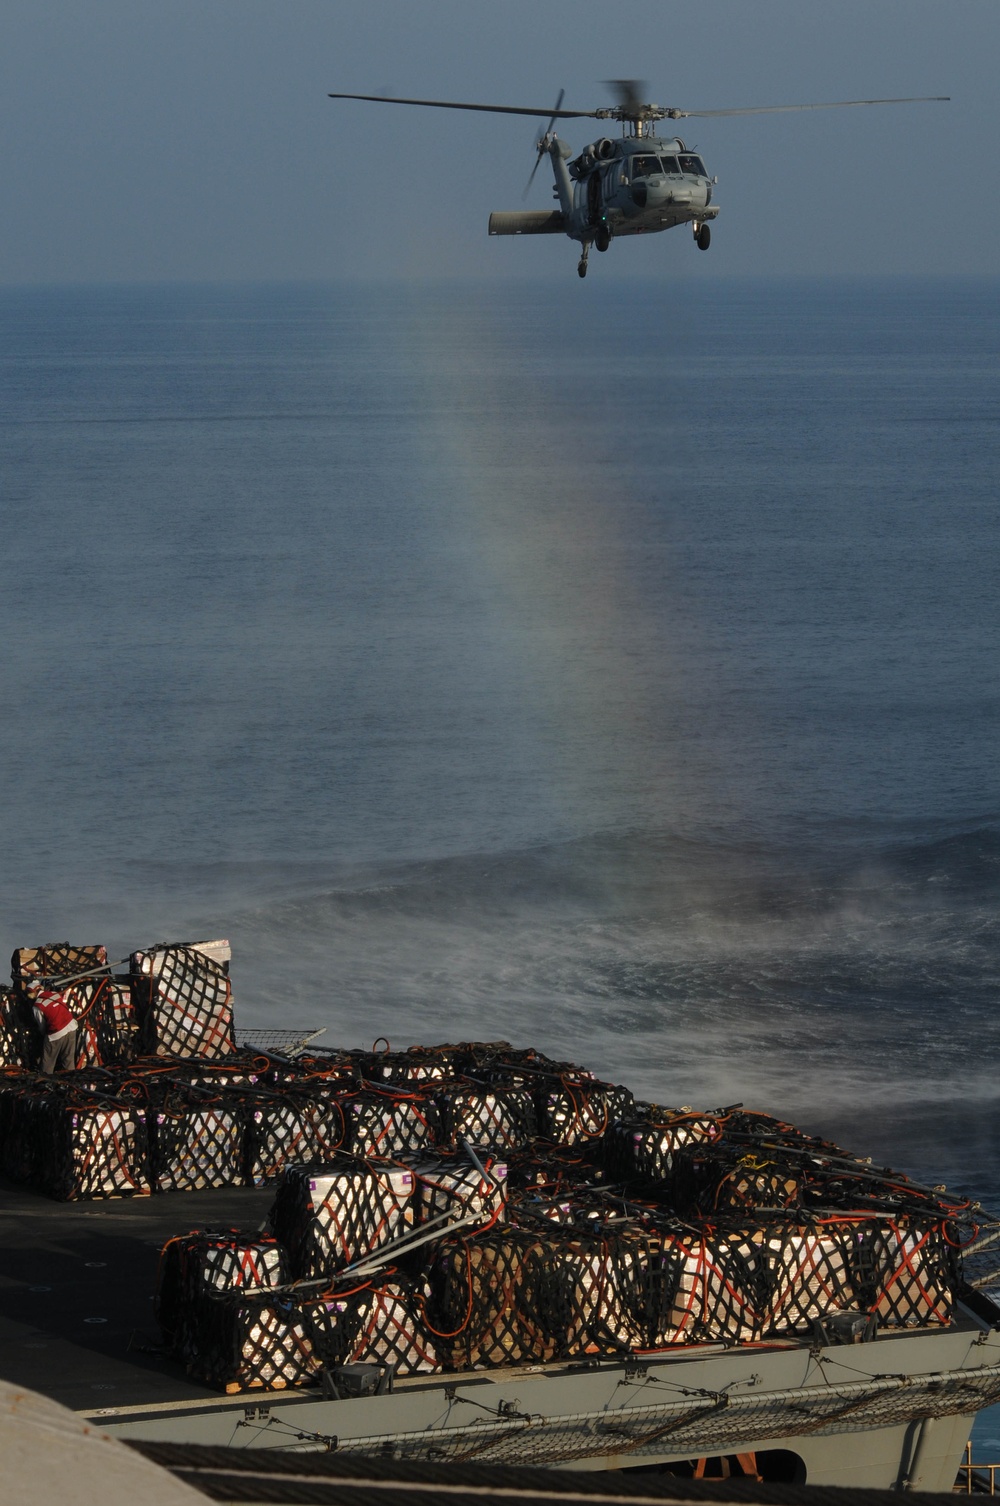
(671,165)
(645,167)
(691,164)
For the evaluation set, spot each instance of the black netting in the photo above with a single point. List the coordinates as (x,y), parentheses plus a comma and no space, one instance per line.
(286,1130)
(904,1270)
(20,1144)
(645,1147)
(106,1028)
(275,1138)
(490,1300)
(20,1039)
(205,1264)
(183,1000)
(87,1150)
(580,1108)
(339,1070)
(798,1273)
(554,1167)
(417,1064)
(707,1180)
(500,1063)
(325,1124)
(456,1189)
(500,1118)
(391,1123)
(193,1147)
(238,1073)
(707,1292)
(57,959)
(380,1323)
(609,1293)
(239,1343)
(330,1217)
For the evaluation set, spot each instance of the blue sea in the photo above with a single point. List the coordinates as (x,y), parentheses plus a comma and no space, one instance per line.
(609,667)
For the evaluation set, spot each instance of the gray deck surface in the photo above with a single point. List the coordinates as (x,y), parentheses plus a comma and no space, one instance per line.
(62,1264)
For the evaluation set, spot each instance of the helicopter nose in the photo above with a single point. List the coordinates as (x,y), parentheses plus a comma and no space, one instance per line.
(691,193)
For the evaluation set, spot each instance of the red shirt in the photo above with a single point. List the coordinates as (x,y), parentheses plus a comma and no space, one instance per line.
(52,1013)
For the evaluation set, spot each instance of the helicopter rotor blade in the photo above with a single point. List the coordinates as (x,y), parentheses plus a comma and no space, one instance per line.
(540,140)
(631,93)
(531,176)
(450,104)
(837,104)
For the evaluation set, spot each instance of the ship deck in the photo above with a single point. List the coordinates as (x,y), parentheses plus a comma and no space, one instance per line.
(76,1289)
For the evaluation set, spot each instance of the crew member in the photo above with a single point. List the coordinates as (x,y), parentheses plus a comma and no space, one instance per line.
(59,1029)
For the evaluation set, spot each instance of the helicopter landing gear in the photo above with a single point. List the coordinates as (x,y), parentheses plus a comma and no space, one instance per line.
(581,266)
(703,236)
(602,237)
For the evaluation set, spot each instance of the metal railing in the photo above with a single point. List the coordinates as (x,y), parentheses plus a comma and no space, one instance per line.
(976,1479)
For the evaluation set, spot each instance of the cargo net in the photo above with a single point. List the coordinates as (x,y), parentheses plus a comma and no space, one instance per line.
(564,1185)
(106,1030)
(19,1110)
(275,1137)
(193,1147)
(555,1168)
(244,1343)
(195,1267)
(240,1343)
(20,1041)
(767,1282)
(334,1070)
(451,1189)
(416,1064)
(515,1297)
(56,960)
(483,1308)
(518,1296)
(707,1181)
(644,1147)
(186,1007)
(579,1108)
(499,1118)
(380,1323)
(500,1063)
(286,1131)
(391,1122)
(329,1218)
(78,1147)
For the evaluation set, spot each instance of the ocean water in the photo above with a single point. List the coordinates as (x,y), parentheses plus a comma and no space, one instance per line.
(608,667)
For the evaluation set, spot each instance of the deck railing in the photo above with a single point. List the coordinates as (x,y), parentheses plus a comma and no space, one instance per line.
(976,1479)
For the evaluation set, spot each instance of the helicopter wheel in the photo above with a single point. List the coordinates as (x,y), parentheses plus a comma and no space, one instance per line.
(581,268)
(704,237)
(602,238)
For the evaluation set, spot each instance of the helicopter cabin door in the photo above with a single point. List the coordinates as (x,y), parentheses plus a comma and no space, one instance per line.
(594,197)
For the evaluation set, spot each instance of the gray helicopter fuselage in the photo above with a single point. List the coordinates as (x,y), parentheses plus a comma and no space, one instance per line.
(638,184)
(633,186)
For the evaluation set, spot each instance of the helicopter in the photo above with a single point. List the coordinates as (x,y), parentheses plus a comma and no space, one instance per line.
(637,185)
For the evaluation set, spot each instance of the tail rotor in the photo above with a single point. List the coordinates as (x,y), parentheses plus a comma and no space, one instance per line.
(542,141)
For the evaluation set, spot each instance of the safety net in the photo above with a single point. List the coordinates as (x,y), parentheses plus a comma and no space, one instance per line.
(184,1002)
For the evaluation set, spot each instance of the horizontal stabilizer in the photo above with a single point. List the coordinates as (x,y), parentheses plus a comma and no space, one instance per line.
(533,222)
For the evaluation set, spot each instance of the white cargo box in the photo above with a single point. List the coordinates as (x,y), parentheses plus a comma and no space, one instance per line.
(149,964)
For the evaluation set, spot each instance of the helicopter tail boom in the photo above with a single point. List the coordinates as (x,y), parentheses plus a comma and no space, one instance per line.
(529,222)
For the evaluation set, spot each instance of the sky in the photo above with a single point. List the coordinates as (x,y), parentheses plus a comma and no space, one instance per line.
(193,140)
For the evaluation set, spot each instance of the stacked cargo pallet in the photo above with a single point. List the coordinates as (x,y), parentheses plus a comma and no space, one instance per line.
(581,1226)
(175,1000)
(452,1207)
